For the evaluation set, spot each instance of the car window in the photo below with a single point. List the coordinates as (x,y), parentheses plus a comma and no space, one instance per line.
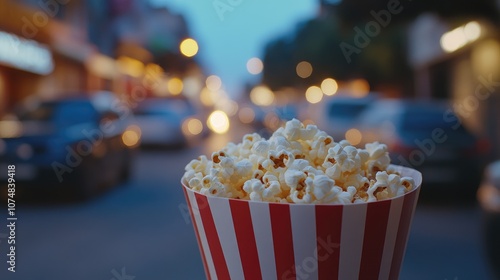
(71,113)
(345,110)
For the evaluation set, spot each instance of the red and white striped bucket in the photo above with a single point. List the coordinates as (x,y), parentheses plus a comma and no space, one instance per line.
(242,239)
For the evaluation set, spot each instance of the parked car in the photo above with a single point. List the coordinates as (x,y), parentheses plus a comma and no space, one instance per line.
(161,120)
(488,196)
(78,144)
(340,113)
(427,136)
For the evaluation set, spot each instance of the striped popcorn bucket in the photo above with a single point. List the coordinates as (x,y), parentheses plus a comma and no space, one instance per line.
(241,239)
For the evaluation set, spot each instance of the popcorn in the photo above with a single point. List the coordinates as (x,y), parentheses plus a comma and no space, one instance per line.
(297,164)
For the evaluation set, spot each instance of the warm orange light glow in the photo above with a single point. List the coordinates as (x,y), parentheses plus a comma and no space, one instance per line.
(353,136)
(329,86)
(255,65)
(131,136)
(10,128)
(189,47)
(205,97)
(218,122)
(130,66)
(262,96)
(314,94)
(175,86)
(102,66)
(359,87)
(460,36)
(192,126)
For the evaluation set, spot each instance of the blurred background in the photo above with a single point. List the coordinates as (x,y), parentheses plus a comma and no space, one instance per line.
(103,103)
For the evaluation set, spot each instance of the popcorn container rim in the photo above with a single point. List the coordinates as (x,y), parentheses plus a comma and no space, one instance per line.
(416,175)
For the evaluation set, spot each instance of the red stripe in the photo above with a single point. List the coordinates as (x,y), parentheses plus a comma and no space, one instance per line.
(243,227)
(281,225)
(212,237)
(403,231)
(328,231)
(377,216)
(205,265)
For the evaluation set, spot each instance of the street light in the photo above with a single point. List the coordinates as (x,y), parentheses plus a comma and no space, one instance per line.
(189,47)
(255,66)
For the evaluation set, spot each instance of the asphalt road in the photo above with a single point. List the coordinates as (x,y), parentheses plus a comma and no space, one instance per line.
(139,230)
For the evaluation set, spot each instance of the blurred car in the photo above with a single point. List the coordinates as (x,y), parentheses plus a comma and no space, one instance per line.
(340,113)
(161,121)
(78,144)
(428,137)
(488,196)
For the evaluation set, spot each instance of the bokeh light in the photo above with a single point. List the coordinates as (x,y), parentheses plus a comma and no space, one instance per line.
(255,65)
(314,94)
(10,128)
(230,107)
(218,122)
(453,40)
(130,66)
(262,96)
(175,86)
(329,86)
(304,69)
(246,115)
(359,88)
(192,126)
(189,47)
(131,136)
(206,97)
(460,36)
(192,86)
(213,82)
(472,30)
(353,136)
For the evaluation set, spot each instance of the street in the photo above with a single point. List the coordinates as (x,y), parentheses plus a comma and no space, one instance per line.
(140,229)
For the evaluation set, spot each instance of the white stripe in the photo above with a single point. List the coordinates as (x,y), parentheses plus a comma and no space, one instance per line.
(223,220)
(261,220)
(390,237)
(409,226)
(351,241)
(304,241)
(201,232)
